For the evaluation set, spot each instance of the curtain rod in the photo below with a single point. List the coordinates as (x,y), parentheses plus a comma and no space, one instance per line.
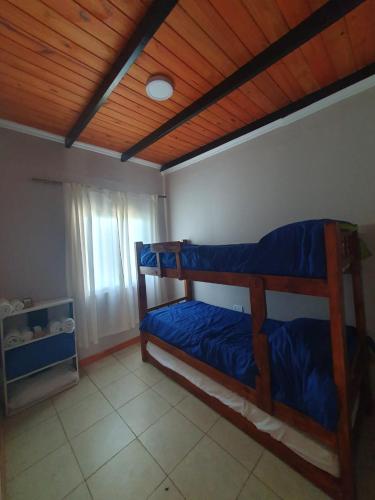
(52,181)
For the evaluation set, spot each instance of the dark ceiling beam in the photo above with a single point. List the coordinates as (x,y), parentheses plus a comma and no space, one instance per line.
(152,20)
(324,17)
(277,115)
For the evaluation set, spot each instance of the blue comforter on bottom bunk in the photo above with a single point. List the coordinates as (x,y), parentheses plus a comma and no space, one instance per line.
(300,352)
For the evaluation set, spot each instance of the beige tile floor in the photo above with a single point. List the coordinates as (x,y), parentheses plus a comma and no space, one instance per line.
(128,432)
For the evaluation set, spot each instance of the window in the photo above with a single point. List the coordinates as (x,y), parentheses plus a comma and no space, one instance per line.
(101,228)
(106,261)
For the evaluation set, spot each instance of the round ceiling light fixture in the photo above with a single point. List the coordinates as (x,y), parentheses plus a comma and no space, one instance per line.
(159,88)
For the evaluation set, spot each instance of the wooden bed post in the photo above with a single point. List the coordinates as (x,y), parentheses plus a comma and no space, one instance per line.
(339,357)
(360,319)
(187,283)
(359,307)
(142,296)
(260,344)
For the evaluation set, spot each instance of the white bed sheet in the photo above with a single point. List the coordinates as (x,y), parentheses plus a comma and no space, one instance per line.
(303,445)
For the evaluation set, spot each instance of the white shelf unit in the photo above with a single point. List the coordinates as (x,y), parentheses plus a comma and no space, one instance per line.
(40,368)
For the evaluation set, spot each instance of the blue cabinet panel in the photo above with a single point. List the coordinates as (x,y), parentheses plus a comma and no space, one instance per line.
(36,355)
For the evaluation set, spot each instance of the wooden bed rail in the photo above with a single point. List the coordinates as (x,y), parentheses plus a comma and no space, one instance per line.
(306,286)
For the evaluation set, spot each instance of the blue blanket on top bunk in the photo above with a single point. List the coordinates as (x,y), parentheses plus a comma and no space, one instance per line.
(294,250)
(300,352)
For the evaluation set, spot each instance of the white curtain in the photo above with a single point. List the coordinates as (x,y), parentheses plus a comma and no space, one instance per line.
(101,228)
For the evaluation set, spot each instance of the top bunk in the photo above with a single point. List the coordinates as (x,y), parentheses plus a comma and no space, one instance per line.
(293,258)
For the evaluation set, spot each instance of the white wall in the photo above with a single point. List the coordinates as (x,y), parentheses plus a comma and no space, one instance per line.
(322,166)
(32,242)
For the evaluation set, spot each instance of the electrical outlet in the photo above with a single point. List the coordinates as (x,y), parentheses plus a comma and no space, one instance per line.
(237,307)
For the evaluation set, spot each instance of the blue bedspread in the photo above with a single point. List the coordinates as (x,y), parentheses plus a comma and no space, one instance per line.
(300,352)
(294,250)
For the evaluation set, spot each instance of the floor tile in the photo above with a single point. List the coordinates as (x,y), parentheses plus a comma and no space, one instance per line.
(149,374)
(143,411)
(103,374)
(284,481)
(132,360)
(166,491)
(131,474)
(120,392)
(255,489)
(32,445)
(76,394)
(128,350)
(101,363)
(170,439)
(170,391)
(237,443)
(26,419)
(81,416)
(95,446)
(199,413)
(209,472)
(80,493)
(51,478)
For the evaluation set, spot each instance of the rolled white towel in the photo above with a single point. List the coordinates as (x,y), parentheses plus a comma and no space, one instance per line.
(68,325)
(54,327)
(5,308)
(27,335)
(12,338)
(17,305)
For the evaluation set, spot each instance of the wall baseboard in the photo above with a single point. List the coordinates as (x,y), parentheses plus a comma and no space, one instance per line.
(107,352)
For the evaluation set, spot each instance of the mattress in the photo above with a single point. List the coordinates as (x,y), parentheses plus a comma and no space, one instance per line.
(296,249)
(303,445)
(300,352)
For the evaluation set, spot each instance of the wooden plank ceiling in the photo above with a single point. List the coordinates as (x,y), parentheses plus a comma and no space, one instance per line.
(54,54)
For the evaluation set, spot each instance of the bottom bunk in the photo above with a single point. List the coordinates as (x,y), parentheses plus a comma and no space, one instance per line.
(299,350)
(208,350)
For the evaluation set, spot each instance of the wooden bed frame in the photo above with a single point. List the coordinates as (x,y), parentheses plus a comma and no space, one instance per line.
(342,255)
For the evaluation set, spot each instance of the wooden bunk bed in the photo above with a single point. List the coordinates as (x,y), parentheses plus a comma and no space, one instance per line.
(342,254)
